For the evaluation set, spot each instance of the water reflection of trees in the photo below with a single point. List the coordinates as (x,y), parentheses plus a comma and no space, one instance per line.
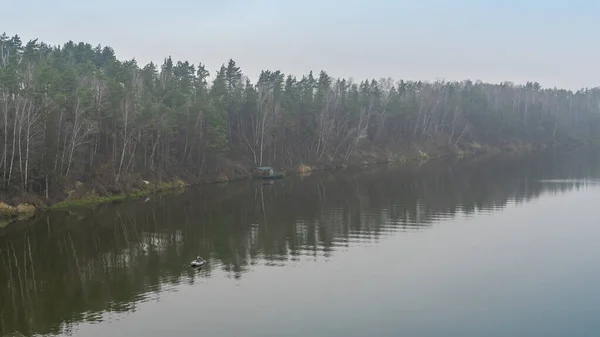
(67,267)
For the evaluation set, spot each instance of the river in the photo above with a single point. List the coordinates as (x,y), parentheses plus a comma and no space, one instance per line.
(500,246)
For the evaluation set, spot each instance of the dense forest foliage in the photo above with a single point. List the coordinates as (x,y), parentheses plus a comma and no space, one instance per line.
(76,112)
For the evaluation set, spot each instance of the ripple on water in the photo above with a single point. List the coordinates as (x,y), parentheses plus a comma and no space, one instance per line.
(571,181)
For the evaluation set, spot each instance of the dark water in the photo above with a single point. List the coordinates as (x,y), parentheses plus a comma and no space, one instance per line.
(505,246)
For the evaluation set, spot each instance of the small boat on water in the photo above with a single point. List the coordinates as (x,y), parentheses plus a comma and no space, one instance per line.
(266,172)
(198,262)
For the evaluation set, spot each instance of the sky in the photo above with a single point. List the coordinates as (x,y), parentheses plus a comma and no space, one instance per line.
(552,42)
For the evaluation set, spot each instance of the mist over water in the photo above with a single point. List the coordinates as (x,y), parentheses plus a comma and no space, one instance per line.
(487,246)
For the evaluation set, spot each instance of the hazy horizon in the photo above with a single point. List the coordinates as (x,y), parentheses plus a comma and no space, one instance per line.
(491,41)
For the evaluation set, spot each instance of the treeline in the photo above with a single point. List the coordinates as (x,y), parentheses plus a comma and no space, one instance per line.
(77,112)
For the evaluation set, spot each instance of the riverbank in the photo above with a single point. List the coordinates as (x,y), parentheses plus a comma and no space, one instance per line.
(83,193)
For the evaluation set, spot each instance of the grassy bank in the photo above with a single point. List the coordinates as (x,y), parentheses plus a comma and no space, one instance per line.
(82,193)
(138,193)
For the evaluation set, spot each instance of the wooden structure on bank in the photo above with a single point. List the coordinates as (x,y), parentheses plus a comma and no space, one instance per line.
(266,172)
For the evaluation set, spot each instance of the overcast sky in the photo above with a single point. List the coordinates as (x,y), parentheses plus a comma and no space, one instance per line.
(552,42)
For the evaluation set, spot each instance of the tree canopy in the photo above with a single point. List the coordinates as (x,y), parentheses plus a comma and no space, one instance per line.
(77,112)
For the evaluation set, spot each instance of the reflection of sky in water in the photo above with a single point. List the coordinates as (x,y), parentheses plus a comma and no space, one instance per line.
(522,272)
(488,250)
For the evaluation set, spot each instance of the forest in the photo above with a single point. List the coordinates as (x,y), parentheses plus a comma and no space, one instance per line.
(75,114)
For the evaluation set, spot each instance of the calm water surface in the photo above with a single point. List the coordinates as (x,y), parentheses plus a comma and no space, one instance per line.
(502,246)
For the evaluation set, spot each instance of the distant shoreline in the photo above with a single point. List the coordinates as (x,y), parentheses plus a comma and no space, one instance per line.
(78,125)
(24,211)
